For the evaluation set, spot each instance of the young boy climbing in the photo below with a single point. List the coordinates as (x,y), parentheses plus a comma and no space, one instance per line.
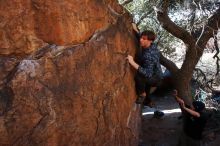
(149,72)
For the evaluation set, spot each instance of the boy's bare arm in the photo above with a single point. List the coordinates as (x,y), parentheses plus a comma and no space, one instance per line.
(182,104)
(190,111)
(178,99)
(134,26)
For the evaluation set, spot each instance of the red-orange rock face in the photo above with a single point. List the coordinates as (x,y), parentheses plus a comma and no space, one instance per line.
(79,90)
(26,25)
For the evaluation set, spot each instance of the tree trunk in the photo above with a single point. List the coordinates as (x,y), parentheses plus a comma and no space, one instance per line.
(183,88)
(195,47)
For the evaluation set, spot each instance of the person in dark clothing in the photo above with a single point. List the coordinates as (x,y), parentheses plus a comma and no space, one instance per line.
(194,121)
(149,72)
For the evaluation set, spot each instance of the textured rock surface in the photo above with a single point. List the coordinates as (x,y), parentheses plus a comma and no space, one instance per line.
(27,25)
(77,91)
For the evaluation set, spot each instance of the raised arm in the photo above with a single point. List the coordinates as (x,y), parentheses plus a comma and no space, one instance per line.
(132,62)
(136,31)
(134,26)
(178,99)
(182,104)
(190,111)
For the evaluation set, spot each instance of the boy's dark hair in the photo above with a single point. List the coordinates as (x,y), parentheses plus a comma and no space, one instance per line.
(150,35)
(198,105)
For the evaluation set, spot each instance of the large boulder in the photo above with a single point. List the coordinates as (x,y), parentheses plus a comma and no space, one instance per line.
(64,77)
(26,25)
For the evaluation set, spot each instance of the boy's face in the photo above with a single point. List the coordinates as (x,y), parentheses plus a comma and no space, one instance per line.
(144,42)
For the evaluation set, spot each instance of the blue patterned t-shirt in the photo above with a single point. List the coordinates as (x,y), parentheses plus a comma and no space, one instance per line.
(150,62)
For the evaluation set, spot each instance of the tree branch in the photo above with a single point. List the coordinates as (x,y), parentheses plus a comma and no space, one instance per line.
(216,55)
(126,2)
(144,16)
(212,26)
(171,27)
(168,64)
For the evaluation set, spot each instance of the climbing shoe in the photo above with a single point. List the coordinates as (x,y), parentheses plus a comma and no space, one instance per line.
(158,114)
(139,100)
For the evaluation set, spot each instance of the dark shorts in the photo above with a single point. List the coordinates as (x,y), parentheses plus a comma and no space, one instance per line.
(143,84)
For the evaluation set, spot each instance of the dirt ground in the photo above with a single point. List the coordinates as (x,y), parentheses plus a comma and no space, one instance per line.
(165,131)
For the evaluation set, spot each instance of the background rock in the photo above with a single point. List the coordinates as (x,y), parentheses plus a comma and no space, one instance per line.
(64,77)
